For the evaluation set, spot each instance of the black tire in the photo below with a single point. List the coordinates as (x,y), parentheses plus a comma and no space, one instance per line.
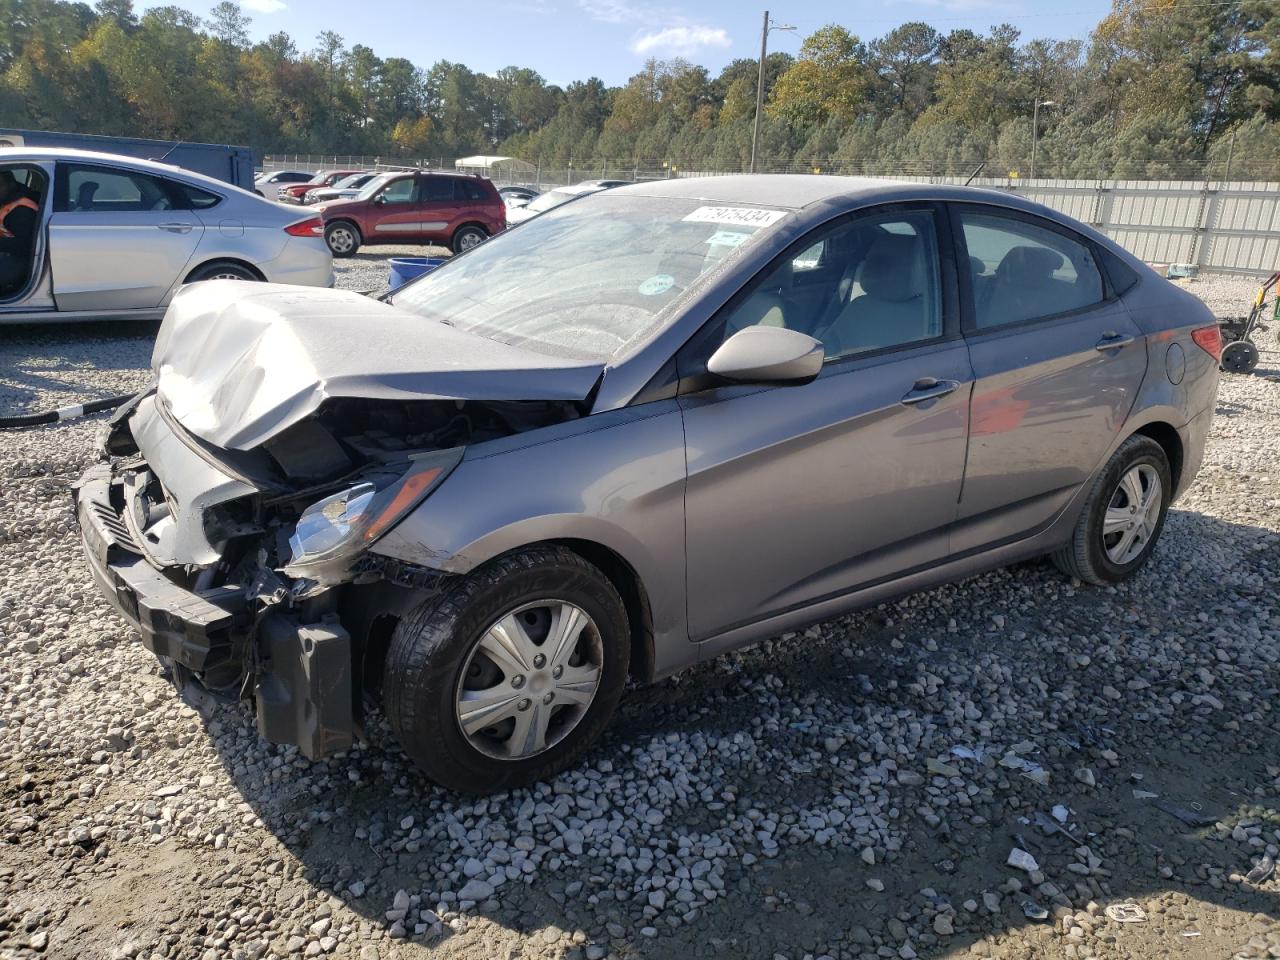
(468,236)
(1085,557)
(1239,356)
(432,645)
(222,271)
(343,238)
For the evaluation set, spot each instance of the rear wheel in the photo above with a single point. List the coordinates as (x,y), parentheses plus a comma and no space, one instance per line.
(342,237)
(468,237)
(1241,356)
(1123,516)
(511,675)
(222,271)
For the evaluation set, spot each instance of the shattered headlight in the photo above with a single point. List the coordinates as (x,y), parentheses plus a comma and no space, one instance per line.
(340,526)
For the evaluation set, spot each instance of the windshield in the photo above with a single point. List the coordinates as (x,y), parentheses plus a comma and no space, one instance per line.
(552,199)
(589,278)
(373,186)
(352,181)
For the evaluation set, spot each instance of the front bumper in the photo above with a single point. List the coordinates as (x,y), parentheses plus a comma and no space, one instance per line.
(225,639)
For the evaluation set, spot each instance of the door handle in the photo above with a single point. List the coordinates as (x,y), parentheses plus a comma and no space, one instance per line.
(929,388)
(175,227)
(1113,341)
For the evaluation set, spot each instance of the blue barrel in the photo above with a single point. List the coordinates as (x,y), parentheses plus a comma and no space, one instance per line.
(404,269)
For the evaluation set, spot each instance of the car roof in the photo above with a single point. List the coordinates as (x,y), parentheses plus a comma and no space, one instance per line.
(796,191)
(17,154)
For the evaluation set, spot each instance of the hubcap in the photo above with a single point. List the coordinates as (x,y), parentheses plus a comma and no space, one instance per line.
(1132,514)
(226,276)
(529,679)
(469,240)
(341,240)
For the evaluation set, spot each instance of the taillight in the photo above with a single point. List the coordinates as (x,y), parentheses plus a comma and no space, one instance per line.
(1209,339)
(306,228)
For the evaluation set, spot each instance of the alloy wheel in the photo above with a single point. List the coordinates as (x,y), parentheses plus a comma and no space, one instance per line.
(1132,515)
(529,679)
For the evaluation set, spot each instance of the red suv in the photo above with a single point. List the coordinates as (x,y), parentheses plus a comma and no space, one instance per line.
(453,211)
(294,192)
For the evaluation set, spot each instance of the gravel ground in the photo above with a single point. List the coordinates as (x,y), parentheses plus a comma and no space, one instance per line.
(854,791)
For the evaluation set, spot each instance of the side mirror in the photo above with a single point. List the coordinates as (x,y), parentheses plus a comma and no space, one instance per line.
(380,198)
(768,355)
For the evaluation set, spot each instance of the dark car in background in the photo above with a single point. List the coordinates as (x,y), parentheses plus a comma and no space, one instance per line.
(453,211)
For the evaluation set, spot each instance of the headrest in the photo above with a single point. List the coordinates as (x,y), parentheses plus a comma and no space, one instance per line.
(1028,265)
(892,269)
(977,266)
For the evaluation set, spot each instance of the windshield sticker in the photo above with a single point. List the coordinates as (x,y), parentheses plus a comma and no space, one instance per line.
(739,216)
(728,238)
(659,283)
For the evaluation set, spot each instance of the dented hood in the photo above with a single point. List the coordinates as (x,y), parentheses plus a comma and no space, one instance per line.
(237,363)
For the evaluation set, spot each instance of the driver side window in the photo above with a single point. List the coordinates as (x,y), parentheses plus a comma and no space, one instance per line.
(398,191)
(861,285)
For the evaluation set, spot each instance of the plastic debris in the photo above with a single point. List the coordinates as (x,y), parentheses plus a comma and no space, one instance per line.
(1060,813)
(1182,271)
(1022,860)
(1144,795)
(1191,933)
(1191,816)
(1126,913)
(1263,872)
(1028,768)
(977,754)
(1032,910)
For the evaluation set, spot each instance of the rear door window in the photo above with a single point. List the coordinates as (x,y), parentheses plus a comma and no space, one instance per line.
(1020,271)
(437,190)
(90,189)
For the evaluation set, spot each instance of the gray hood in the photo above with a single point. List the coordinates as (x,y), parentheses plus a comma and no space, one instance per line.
(237,363)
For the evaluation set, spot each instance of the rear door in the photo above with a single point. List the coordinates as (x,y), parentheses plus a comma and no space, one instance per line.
(1058,363)
(117,240)
(796,494)
(440,203)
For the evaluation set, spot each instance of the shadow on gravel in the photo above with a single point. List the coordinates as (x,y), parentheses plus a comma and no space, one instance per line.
(1105,681)
(57,349)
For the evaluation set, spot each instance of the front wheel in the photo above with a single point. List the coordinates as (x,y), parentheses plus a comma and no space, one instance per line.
(1122,517)
(512,674)
(343,238)
(468,237)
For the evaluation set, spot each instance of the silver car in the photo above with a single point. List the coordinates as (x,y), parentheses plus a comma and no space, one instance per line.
(653,425)
(116,237)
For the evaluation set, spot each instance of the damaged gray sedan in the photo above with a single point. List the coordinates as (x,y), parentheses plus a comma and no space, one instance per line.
(647,427)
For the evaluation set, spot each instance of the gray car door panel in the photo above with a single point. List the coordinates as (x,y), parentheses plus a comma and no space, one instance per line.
(110,254)
(797,494)
(1049,399)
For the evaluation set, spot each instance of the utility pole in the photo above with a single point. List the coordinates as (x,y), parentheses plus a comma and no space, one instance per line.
(1035,131)
(764,43)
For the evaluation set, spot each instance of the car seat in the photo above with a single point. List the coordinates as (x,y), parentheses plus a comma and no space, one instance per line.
(892,308)
(1022,283)
(84,196)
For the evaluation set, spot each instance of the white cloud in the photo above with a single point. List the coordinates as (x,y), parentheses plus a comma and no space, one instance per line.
(612,11)
(263,6)
(680,40)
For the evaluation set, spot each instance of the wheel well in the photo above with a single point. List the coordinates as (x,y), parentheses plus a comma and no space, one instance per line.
(634,597)
(472,223)
(232,261)
(1163,434)
(350,223)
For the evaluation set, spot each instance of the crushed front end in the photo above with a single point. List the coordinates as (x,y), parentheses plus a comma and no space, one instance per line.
(249,573)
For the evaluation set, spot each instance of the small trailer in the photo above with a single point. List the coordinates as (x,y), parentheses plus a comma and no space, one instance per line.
(233,165)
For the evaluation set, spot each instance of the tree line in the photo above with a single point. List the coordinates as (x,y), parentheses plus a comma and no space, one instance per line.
(1160,89)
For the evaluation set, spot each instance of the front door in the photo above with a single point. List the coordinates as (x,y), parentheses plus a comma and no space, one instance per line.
(395,214)
(800,493)
(1057,361)
(116,238)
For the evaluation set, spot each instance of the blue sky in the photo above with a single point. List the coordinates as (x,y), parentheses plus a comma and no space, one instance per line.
(567,40)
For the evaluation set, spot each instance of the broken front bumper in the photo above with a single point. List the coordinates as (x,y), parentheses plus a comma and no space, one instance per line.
(299,675)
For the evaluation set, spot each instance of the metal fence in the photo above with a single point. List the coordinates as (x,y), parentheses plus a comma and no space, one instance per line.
(1220,226)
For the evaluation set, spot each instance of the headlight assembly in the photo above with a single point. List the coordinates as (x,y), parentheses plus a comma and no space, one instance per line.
(333,530)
